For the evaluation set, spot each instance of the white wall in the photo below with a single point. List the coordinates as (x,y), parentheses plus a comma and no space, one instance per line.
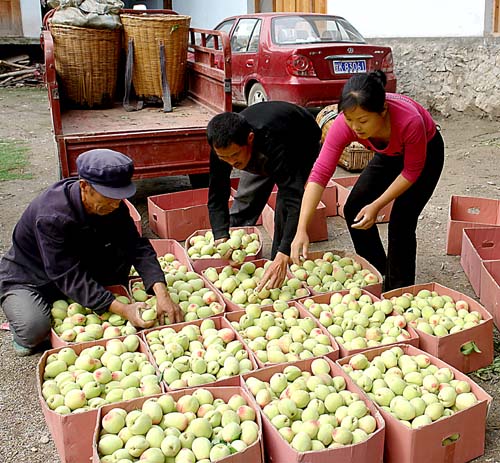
(422,18)
(206,14)
(31,17)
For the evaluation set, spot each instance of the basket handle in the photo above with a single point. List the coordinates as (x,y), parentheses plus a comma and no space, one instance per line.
(166,96)
(129,69)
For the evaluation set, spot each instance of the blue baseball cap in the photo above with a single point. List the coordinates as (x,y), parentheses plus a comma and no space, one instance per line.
(109,172)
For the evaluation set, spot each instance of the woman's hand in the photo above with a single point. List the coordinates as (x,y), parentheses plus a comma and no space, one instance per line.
(299,247)
(366,217)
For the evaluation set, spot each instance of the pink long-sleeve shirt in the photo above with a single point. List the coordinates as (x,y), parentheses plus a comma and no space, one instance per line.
(411,128)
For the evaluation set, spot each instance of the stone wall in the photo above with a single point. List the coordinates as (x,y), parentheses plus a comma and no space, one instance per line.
(449,75)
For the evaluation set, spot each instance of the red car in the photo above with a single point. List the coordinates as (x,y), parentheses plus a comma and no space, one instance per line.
(299,57)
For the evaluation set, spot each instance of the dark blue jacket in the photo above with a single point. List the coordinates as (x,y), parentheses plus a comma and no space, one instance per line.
(58,249)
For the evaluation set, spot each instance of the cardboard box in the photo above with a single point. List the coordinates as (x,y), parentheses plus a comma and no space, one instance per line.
(234,189)
(177,215)
(469,212)
(252,454)
(201,264)
(343,352)
(277,450)
(425,444)
(447,348)
(73,434)
(375,289)
(134,213)
(317,229)
(344,186)
(230,305)
(166,246)
(329,199)
(56,341)
(220,322)
(478,244)
(490,289)
(333,355)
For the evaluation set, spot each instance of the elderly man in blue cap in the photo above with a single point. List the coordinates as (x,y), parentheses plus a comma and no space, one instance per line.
(74,239)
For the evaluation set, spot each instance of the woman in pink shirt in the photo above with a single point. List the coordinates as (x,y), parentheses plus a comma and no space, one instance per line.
(409,156)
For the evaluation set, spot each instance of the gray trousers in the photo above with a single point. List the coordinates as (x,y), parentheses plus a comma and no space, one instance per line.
(29,316)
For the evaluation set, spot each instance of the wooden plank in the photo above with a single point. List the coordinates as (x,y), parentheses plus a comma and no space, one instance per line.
(10,18)
(496,17)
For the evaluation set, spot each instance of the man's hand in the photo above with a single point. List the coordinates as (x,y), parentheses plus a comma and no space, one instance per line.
(224,253)
(165,305)
(275,274)
(299,248)
(131,312)
(366,217)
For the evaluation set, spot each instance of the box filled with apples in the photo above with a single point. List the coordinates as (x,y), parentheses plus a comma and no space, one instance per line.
(244,244)
(312,412)
(432,411)
(282,334)
(189,426)
(238,284)
(329,271)
(74,381)
(72,323)
(200,352)
(358,320)
(450,325)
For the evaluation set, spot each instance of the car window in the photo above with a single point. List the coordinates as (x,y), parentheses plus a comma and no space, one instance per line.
(253,46)
(224,27)
(242,33)
(295,29)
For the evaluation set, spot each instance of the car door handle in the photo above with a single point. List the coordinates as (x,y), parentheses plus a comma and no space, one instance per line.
(249,63)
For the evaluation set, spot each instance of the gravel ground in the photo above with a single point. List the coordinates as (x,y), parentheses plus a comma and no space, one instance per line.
(471,169)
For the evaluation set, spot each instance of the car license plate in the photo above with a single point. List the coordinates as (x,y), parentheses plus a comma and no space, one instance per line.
(349,67)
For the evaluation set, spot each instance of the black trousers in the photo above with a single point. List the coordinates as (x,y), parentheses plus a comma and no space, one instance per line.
(398,265)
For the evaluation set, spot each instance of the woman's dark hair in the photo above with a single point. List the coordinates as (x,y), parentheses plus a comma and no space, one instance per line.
(364,90)
(226,129)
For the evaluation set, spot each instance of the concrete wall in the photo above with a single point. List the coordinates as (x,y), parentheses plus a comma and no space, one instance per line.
(423,18)
(450,75)
(31,18)
(206,14)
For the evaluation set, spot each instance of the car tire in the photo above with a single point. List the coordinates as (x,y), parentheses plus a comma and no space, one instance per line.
(257,94)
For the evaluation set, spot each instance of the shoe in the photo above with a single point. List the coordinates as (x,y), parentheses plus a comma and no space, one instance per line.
(22,351)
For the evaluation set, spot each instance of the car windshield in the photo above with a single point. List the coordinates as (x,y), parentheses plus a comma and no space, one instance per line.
(301,29)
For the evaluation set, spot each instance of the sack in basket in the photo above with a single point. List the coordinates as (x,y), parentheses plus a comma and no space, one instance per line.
(86,63)
(148,32)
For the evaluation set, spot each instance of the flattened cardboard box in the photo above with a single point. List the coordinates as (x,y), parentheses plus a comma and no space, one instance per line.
(277,450)
(202,263)
(254,453)
(73,433)
(469,212)
(478,245)
(425,444)
(447,348)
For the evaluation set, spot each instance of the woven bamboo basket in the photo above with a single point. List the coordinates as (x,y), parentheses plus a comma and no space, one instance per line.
(86,63)
(355,157)
(148,31)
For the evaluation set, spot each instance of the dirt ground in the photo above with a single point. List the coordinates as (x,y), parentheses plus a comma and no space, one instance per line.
(471,168)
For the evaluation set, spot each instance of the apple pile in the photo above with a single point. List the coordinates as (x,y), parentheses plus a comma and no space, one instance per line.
(313,410)
(197,355)
(195,428)
(281,336)
(97,376)
(356,321)
(434,314)
(240,244)
(74,323)
(239,285)
(333,273)
(410,387)
(186,289)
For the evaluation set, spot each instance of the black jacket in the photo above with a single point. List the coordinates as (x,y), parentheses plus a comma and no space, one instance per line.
(58,249)
(286,144)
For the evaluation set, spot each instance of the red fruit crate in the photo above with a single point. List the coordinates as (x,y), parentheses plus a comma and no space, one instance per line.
(469,212)
(448,348)
(490,289)
(134,213)
(166,246)
(478,245)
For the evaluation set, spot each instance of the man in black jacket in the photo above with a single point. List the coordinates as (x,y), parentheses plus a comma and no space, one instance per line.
(72,240)
(273,143)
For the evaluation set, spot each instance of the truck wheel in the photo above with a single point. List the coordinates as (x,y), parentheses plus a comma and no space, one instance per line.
(198,180)
(257,94)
